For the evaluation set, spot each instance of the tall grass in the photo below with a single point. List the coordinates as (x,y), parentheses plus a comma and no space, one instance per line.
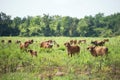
(15,62)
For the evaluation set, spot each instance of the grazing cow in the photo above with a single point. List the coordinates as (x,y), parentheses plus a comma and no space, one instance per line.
(73,42)
(72,49)
(18,41)
(81,41)
(29,41)
(98,43)
(45,45)
(98,50)
(9,41)
(48,44)
(33,53)
(2,41)
(24,45)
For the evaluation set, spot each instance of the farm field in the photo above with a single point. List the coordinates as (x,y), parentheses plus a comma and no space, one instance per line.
(55,64)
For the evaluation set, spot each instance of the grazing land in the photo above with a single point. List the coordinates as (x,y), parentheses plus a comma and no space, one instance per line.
(55,64)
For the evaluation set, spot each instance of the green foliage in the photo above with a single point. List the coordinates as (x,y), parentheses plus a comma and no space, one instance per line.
(46,25)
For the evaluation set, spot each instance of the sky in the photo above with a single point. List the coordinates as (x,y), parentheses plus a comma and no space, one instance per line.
(72,8)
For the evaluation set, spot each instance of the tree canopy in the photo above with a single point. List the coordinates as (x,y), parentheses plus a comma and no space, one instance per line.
(46,25)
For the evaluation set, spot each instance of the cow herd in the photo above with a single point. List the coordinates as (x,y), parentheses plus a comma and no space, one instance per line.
(97,48)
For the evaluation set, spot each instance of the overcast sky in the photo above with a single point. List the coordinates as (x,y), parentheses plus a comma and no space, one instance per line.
(73,8)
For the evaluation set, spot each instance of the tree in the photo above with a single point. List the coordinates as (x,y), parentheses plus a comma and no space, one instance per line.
(46,22)
(5,24)
(67,26)
(90,22)
(82,27)
(15,26)
(89,26)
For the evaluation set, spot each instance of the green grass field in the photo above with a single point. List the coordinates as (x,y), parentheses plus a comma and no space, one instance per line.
(16,64)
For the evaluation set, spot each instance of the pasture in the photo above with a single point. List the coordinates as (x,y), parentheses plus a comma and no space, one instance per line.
(55,64)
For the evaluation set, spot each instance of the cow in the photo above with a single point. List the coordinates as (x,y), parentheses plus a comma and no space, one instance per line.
(72,49)
(24,45)
(73,42)
(81,41)
(98,50)
(46,44)
(29,41)
(33,53)
(98,43)
(17,42)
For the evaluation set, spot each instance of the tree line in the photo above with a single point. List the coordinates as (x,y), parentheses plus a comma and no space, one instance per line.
(46,25)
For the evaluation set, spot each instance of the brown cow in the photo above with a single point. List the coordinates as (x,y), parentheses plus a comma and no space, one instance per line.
(98,50)
(24,45)
(72,49)
(81,41)
(17,42)
(48,44)
(45,45)
(33,53)
(98,43)
(29,41)
(73,42)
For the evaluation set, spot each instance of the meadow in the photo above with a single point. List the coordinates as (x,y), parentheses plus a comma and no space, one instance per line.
(16,64)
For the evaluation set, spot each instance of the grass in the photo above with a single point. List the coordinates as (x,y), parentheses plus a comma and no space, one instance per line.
(20,65)
(19,76)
